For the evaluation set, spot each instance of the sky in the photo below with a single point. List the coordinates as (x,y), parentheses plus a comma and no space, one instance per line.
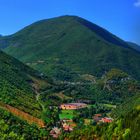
(120,17)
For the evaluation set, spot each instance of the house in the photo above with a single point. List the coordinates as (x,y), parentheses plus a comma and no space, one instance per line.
(67,127)
(97,115)
(106,120)
(66,120)
(73,106)
(55,132)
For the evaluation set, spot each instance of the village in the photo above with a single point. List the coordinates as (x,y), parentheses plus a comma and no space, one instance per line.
(68,118)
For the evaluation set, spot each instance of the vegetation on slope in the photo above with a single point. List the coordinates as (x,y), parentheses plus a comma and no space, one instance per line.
(16,85)
(13,128)
(130,104)
(19,87)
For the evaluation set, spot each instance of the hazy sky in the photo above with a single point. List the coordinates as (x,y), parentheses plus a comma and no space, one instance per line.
(121,17)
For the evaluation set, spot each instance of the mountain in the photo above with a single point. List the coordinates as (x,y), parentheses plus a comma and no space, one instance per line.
(67,46)
(134,45)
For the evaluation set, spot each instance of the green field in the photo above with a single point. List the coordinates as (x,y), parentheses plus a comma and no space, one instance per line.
(89,106)
(66,114)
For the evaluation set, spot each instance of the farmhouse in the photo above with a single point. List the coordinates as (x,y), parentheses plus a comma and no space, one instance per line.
(68,125)
(106,120)
(73,106)
(55,132)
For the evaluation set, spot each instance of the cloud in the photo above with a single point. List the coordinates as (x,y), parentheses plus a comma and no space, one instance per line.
(137,3)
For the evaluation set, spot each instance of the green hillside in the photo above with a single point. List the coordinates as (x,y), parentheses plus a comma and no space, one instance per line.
(129,105)
(21,113)
(13,128)
(67,46)
(16,85)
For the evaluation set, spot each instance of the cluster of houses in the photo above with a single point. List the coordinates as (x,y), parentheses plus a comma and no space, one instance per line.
(68,125)
(73,106)
(55,132)
(98,118)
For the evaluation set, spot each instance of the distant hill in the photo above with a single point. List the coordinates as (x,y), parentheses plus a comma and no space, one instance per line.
(134,45)
(67,46)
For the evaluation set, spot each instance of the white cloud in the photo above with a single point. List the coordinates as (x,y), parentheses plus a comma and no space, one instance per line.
(137,3)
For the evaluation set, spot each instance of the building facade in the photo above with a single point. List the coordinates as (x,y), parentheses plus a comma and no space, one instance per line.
(72,106)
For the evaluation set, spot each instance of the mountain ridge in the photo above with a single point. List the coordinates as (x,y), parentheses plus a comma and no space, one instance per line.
(134,45)
(86,23)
